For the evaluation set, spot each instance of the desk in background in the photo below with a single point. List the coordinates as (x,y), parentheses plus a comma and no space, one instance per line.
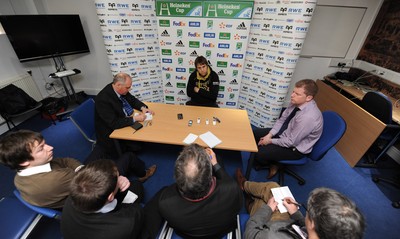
(358,93)
(234,130)
(362,128)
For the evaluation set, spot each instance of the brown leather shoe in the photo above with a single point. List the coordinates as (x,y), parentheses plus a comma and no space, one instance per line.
(149,172)
(240,178)
(273,169)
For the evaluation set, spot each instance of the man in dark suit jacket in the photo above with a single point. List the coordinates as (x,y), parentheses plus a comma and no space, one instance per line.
(110,114)
(100,204)
(204,201)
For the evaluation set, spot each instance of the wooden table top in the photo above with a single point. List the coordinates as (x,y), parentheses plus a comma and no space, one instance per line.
(234,129)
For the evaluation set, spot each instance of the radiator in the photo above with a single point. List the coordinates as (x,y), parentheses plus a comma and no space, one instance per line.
(26,83)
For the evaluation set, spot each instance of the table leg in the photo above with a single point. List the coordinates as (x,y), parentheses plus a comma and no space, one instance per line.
(249,165)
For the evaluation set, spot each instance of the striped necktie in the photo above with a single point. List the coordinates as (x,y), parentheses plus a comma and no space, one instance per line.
(127,107)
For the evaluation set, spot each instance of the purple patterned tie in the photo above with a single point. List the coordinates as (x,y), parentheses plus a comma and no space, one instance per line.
(127,107)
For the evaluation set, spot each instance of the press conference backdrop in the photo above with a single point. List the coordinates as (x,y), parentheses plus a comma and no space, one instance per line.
(277,34)
(253,47)
(217,30)
(129,29)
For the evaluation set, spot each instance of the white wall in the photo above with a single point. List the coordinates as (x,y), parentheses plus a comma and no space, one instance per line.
(94,66)
(318,67)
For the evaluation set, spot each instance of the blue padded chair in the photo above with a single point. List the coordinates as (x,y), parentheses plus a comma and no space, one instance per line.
(48,212)
(333,129)
(16,220)
(380,106)
(167,232)
(83,118)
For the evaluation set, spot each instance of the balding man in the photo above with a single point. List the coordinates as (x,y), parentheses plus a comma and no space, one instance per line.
(204,201)
(114,110)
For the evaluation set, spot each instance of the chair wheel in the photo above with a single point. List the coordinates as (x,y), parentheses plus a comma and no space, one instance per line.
(396,204)
(375,179)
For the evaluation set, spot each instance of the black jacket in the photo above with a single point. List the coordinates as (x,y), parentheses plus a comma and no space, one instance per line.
(203,97)
(109,115)
(210,218)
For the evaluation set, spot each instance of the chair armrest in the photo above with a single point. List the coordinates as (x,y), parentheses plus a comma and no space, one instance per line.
(48,212)
(393,126)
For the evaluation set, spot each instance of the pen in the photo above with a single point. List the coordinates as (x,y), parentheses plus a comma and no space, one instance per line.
(219,121)
(295,203)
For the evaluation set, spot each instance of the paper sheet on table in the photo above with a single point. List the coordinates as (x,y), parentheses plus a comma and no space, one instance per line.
(210,139)
(279,194)
(190,138)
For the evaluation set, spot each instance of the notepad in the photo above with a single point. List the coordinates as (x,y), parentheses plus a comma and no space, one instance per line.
(279,194)
(148,116)
(130,197)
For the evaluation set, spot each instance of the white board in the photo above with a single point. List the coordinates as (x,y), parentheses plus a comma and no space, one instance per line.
(332,31)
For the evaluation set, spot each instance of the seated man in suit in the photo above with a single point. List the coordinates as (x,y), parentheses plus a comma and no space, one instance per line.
(114,107)
(41,180)
(295,132)
(204,201)
(100,206)
(203,84)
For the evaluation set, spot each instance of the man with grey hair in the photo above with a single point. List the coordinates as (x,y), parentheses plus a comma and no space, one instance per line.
(204,201)
(329,215)
(114,107)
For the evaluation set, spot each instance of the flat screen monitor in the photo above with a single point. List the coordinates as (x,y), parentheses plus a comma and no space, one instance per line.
(35,37)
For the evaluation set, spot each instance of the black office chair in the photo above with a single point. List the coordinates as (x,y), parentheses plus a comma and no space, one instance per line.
(394,182)
(380,106)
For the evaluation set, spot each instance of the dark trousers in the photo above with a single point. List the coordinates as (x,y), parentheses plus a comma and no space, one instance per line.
(128,162)
(269,153)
